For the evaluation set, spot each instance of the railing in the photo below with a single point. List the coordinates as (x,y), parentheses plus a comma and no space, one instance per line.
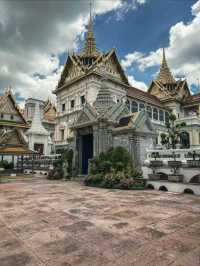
(182,155)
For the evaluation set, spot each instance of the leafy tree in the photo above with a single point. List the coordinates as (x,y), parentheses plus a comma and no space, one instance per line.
(172,137)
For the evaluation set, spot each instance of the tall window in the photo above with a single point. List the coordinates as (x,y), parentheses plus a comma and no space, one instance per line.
(166,117)
(155,114)
(149,111)
(62,133)
(1,115)
(161,115)
(134,107)
(82,99)
(72,103)
(11,117)
(63,107)
(141,106)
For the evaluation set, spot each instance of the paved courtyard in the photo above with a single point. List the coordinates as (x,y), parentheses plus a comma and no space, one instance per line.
(65,223)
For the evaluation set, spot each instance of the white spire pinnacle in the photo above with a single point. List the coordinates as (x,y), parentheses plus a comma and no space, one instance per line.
(36,127)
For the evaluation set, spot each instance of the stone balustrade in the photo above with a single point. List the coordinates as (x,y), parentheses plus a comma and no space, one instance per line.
(177,168)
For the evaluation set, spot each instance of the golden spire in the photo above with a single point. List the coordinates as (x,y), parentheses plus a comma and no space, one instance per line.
(165,76)
(90,49)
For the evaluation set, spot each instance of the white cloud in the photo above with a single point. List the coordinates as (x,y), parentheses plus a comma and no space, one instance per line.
(137,84)
(130,59)
(33,34)
(127,6)
(183,52)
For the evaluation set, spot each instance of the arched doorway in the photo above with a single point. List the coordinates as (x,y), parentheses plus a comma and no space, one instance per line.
(185,140)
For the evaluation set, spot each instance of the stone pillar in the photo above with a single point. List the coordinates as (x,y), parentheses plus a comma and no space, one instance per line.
(195,137)
(95,141)
(135,150)
(77,153)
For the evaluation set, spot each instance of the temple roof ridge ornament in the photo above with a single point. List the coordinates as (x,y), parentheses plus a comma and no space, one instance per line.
(90,50)
(165,76)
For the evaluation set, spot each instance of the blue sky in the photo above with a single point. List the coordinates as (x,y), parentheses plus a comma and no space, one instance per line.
(143,29)
(36,35)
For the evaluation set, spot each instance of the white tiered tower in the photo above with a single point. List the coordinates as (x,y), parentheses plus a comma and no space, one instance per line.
(38,137)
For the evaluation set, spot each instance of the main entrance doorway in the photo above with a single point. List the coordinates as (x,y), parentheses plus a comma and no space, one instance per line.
(87,152)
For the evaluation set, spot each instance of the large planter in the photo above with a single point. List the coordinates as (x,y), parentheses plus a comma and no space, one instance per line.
(155,164)
(175,178)
(154,176)
(175,164)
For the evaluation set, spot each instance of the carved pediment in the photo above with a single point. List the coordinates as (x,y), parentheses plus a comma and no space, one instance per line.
(87,115)
(83,118)
(143,124)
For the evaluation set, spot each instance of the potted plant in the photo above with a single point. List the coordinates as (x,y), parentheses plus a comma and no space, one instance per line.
(175,165)
(154,164)
(171,139)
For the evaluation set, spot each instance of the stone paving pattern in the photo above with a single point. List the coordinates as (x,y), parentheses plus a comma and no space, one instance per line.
(65,223)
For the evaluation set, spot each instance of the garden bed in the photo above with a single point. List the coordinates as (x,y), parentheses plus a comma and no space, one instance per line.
(117,181)
(114,169)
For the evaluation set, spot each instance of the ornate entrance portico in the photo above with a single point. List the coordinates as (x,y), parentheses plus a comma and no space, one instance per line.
(93,127)
(107,124)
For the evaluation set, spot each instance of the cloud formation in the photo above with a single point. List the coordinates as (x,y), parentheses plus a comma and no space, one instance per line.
(33,34)
(137,84)
(183,52)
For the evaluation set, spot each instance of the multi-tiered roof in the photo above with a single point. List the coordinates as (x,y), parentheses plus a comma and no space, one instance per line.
(165,87)
(91,60)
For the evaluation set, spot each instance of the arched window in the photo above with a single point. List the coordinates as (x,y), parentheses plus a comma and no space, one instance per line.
(161,115)
(155,114)
(185,140)
(141,106)
(149,111)
(134,107)
(128,104)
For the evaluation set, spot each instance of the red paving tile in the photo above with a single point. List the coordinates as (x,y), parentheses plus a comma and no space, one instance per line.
(52,223)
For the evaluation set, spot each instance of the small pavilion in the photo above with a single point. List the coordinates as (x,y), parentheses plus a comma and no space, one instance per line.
(13,144)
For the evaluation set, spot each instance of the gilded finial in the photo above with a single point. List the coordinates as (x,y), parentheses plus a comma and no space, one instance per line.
(165,76)
(90,49)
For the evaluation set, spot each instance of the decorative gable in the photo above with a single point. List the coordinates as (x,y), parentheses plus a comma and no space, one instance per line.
(143,124)
(87,115)
(8,108)
(83,118)
(110,64)
(13,137)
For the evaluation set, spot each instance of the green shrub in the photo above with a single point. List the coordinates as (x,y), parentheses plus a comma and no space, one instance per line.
(113,169)
(6,165)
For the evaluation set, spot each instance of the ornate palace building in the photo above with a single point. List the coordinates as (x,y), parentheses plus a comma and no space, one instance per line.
(98,109)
